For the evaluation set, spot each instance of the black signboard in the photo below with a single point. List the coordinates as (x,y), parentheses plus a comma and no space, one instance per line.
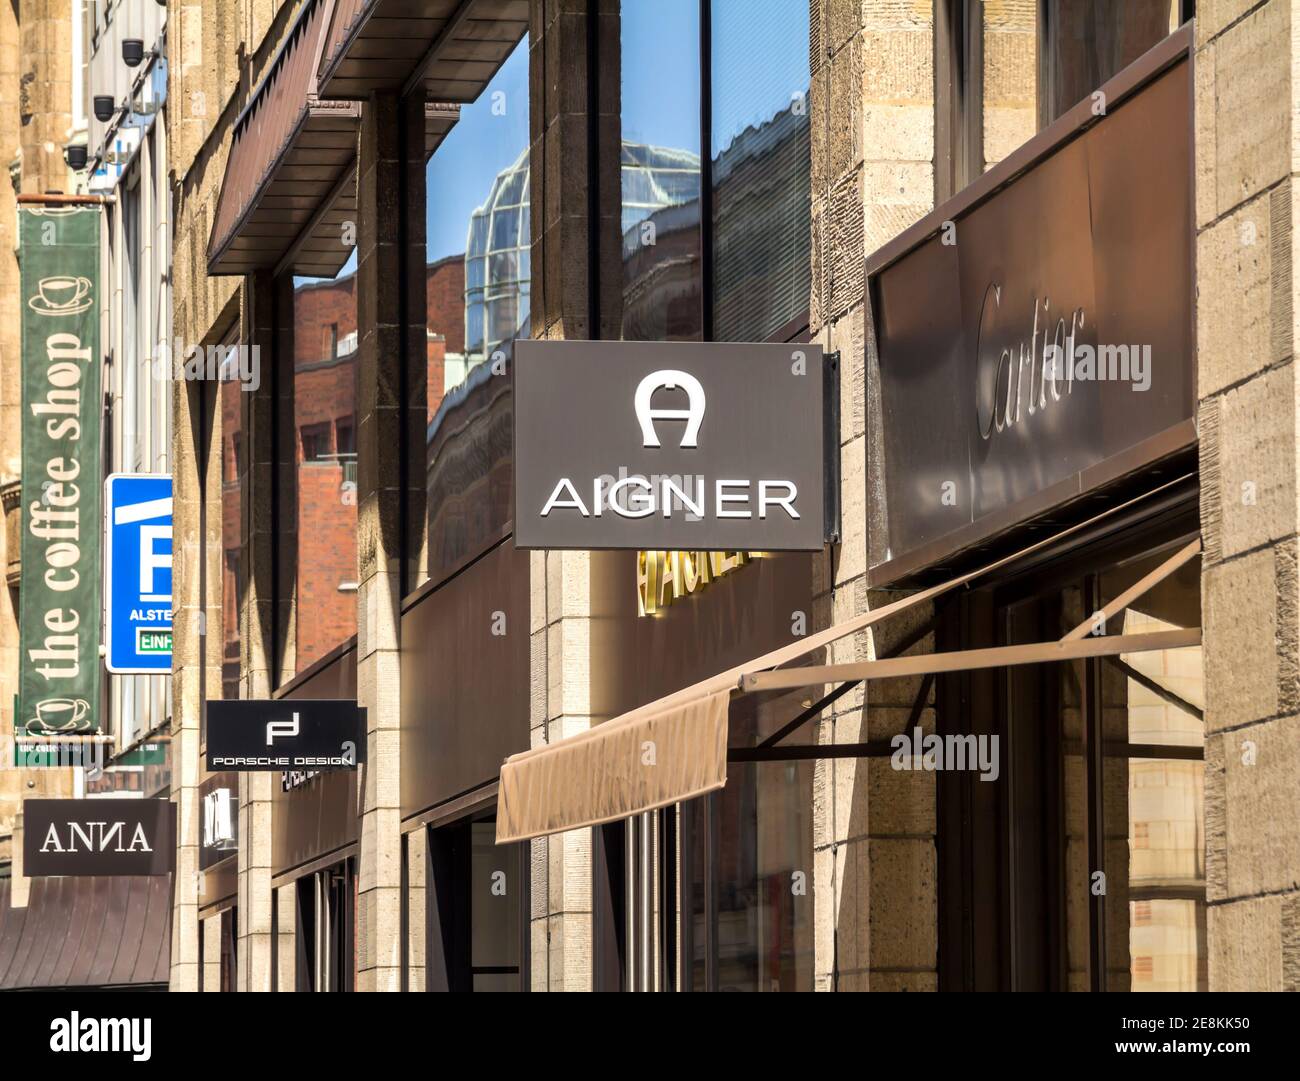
(308,734)
(98,837)
(693,446)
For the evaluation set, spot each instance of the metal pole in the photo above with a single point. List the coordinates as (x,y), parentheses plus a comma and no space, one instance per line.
(55,198)
(629,903)
(317,933)
(647,903)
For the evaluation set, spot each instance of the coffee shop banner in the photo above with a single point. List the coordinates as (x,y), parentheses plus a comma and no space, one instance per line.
(59,665)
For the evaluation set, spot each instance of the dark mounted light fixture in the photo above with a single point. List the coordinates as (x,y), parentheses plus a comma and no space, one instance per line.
(75,153)
(132,52)
(104,107)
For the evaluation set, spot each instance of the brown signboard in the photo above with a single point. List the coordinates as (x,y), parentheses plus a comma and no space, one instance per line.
(314,813)
(465,682)
(1035,335)
(98,837)
(764,604)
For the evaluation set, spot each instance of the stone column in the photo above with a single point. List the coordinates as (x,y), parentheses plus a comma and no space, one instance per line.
(45,98)
(1246,158)
(204,73)
(565,206)
(286,943)
(391,317)
(872,111)
(417,856)
(210,929)
(191,620)
(263,516)
(10,422)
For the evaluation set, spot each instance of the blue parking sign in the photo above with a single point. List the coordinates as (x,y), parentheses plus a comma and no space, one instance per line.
(138,573)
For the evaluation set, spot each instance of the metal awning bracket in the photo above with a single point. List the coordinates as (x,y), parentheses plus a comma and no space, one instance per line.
(970,659)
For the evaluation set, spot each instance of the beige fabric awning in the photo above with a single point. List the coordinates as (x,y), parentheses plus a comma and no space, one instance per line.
(654,758)
(569,784)
(675,748)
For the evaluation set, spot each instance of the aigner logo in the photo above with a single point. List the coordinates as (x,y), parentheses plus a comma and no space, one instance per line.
(277,729)
(634,496)
(669,379)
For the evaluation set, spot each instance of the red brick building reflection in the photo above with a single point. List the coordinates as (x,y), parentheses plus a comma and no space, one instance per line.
(326,396)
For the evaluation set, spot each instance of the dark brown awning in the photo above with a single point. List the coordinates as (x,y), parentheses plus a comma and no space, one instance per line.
(453,46)
(86,932)
(290,180)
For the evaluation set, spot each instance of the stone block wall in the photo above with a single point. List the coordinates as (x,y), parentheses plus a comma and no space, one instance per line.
(1246,158)
(214,50)
(560,625)
(872,109)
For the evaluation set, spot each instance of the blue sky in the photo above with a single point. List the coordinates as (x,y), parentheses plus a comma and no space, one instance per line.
(482,143)
(760,53)
(759,56)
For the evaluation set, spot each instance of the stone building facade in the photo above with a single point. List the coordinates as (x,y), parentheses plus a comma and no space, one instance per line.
(36,73)
(908,104)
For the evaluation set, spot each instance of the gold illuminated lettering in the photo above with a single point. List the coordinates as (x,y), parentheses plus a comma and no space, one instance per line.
(665,577)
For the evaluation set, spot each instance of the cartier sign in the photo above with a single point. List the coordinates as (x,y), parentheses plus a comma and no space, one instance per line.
(98,837)
(669,446)
(1034,336)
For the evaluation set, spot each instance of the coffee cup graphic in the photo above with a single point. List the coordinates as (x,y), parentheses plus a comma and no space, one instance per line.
(62,294)
(59,714)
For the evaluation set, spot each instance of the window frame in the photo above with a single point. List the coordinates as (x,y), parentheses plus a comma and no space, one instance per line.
(799,324)
(975,830)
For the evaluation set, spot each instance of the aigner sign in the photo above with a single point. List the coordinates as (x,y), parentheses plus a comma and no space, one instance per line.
(669,445)
(307,734)
(98,837)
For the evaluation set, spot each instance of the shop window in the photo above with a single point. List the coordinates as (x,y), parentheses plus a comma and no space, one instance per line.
(1085,42)
(663,289)
(760,169)
(227,973)
(958,82)
(476,935)
(345,436)
(1083,866)
(715,179)
(479,280)
(228,406)
(715,894)
(741,271)
(316,443)
(609,849)
(1006,70)
(747,892)
(231,591)
(324,390)
(325,939)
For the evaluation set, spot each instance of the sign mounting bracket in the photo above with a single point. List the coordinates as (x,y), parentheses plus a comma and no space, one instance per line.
(831,444)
